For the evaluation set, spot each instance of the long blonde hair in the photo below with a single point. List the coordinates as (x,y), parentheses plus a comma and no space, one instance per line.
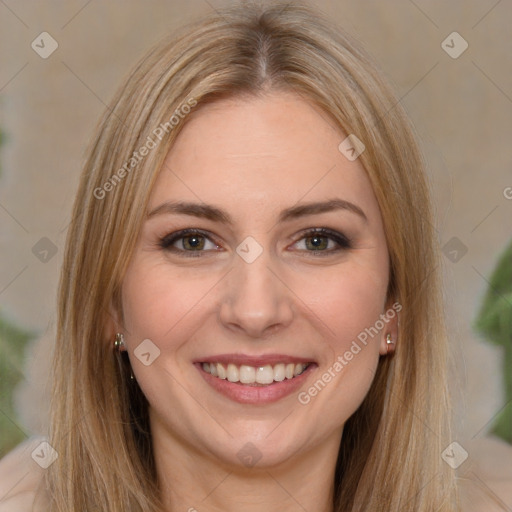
(390,455)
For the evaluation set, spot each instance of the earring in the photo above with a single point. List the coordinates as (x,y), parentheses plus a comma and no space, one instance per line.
(389,343)
(119,341)
(118,345)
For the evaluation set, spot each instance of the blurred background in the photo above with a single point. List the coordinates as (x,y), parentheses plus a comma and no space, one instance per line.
(450,64)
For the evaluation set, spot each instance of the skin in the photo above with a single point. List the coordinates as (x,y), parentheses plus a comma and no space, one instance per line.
(253,157)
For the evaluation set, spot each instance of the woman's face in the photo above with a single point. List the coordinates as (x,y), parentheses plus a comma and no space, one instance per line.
(251,290)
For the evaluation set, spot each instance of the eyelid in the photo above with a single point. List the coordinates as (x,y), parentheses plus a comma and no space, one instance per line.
(344,242)
(167,241)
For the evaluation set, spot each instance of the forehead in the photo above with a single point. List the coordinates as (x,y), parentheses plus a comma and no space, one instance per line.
(253,151)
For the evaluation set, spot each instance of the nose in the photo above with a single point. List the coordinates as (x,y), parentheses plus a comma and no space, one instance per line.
(256,300)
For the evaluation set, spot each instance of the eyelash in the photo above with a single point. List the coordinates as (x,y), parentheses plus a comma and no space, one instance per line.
(167,241)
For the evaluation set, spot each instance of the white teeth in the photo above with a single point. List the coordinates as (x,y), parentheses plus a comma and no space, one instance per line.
(299,368)
(232,373)
(247,374)
(279,372)
(255,375)
(265,375)
(221,372)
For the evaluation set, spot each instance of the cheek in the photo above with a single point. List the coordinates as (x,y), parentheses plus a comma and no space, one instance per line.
(157,305)
(348,300)
(157,300)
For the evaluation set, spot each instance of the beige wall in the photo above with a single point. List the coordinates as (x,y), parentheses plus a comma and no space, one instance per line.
(462,110)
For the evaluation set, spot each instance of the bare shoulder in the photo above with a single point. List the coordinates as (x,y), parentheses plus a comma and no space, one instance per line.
(21,473)
(485,475)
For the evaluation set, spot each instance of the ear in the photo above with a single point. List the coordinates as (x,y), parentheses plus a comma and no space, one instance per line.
(390,319)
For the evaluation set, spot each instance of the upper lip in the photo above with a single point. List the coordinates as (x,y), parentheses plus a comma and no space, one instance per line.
(256,361)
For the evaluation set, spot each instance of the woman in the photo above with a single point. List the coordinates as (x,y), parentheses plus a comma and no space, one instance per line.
(249,309)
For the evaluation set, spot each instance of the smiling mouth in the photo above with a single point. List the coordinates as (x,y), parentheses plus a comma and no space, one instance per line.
(255,375)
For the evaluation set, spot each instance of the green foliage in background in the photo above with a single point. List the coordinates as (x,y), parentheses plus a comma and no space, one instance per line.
(12,347)
(495,323)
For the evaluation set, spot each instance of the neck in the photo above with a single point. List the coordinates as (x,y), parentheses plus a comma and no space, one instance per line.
(193,481)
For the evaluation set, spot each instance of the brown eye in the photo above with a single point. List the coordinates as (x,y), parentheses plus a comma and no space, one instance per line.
(188,241)
(322,240)
(317,242)
(193,242)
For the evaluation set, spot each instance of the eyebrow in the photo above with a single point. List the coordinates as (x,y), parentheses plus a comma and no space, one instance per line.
(216,214)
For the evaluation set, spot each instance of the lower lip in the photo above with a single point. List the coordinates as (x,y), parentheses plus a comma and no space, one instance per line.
(246,394)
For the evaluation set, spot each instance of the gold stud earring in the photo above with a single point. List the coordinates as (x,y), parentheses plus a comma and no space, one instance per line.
(118,346)
(119,342)
(389,343)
